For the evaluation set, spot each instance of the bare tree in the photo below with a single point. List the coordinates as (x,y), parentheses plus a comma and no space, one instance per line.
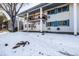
(12,9)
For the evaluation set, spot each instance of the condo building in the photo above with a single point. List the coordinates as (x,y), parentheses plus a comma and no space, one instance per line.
(52,17)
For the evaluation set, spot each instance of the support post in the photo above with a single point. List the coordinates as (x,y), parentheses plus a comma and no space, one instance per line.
(41,29)
(23,24)
(75,18)
(27,21)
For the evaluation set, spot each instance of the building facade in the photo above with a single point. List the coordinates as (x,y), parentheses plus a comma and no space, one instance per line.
(53,17)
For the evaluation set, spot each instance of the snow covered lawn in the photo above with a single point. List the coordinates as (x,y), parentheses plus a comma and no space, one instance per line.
(50,44)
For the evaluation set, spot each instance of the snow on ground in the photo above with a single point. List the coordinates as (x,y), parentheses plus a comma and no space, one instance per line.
(50,44)
(3,33)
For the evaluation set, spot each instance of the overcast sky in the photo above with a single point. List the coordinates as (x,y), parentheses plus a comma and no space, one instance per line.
(27,6)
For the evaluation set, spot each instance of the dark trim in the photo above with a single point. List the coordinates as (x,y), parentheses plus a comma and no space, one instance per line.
(31,31)
(70,33)
(61,32)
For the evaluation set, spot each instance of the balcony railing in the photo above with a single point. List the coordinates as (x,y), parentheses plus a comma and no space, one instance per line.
(37,18)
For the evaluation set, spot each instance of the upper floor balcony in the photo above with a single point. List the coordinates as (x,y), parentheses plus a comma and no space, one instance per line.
(37,18)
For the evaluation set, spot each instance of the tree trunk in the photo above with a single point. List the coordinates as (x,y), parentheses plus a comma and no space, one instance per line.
(13,23)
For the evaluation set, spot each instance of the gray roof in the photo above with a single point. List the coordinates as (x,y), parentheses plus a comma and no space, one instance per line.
(37,6)
(51,5)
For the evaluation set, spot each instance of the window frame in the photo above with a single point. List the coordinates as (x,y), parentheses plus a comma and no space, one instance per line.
(58,23)
(63,9)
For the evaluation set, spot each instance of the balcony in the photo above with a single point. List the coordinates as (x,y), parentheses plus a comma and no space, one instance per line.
(37,18)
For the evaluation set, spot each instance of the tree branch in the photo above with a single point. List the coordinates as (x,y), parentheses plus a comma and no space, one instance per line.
(5,10)
(19,8)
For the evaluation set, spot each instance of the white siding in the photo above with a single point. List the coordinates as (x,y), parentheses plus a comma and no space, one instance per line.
(37,26)
(78,16)
(59,17)
(62,16)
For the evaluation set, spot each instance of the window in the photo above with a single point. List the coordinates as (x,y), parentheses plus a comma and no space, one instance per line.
(29,25)
(55,23)
(63,23)
(65,8)
(51,11)
(66,22)
(58,10)
(48,24)
(58,23)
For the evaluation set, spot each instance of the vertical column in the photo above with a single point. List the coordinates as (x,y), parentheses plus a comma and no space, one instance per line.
(75,18)
(27,21)
(41,19)
(23,24)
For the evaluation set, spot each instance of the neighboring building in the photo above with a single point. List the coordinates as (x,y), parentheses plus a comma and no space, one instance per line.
(3,20)
(53,17)
(7,22)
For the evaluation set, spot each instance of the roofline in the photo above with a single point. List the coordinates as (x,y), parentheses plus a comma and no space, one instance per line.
(34,8)
(37,7)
